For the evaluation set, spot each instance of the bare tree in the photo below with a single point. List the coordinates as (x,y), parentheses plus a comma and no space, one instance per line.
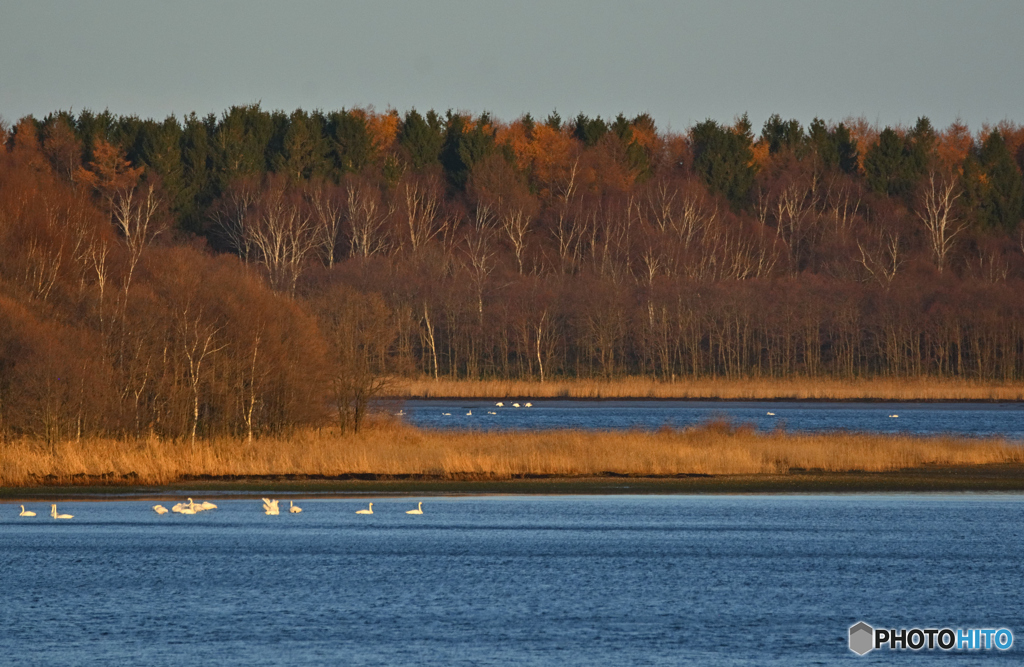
(366,219)
(251,384)
(133,215)
(234,214)
(198,343)
(936,212)
(430,337)
(695,217)
(544,341)
(515,223)
(421,213)
(42,268)
(479,254)
(884,261)
(661,207)
(793,208)
(282,236)
(840,205)
(359,334)
(328,211)
(652,260)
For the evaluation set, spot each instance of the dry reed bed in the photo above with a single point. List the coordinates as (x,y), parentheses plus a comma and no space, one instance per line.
(893,389)
(714,449)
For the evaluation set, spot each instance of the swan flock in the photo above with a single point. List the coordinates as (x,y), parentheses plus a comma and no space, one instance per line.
(270,507)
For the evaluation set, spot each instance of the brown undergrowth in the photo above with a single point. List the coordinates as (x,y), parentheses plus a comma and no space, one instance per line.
(885,389)
(396,450)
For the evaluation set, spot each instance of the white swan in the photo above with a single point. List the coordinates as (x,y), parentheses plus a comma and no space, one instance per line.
(418,510)
(528,405)
(491,412)
(893,416)
(292,508)
(770,414)
(206,505)
(515,405)
(270,507)
(159,509)
(499,404)
(25,512)
(177,507)
(469,414)
(446,414)
(53,513)
(367,511)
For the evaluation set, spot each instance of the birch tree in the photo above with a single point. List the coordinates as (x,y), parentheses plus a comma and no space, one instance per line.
(935,210)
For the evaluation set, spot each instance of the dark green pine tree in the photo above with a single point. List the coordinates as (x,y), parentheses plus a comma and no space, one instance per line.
(622,129)
(300,151)
(1001,203)
(835,147)
(889,165)
(820,140)
(589,130)
(528,125)
(465,144)
(161,152)
(724,159)
(200,184)
(242,143)
(921,145)
(846,147)
(783,135)
(351,144)
(422,138)
(129,133)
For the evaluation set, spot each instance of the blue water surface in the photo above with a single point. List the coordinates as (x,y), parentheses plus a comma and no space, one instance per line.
(602,580)
(971,419)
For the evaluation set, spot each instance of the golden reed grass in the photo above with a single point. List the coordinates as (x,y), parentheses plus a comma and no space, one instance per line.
(888,389)
(711,449)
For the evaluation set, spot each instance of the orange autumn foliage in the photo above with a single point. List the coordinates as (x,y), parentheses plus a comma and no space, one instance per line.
(550,154)
(383,128)
(761,154)
(953,145)
(110,172)
(645,135)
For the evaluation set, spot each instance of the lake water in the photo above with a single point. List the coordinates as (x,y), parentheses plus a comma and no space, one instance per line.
(641,580)
(974,419)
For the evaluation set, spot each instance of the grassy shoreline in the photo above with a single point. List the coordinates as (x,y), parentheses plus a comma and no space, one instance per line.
(717,457)
(748,389)
(963,479)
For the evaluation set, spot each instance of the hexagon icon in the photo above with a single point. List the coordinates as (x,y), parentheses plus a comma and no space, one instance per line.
(862,638)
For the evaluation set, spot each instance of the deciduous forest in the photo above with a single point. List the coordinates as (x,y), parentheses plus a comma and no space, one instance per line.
(253,272)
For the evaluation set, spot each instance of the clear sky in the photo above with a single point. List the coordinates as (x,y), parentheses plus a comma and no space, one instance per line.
(890,60)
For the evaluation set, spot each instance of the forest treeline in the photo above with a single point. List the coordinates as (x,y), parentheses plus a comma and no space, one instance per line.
(256,271)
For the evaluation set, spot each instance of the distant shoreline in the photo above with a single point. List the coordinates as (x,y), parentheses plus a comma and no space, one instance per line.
(1005,478)
(706,399)
(874,390)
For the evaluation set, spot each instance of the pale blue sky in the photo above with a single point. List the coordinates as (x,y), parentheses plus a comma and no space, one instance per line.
(889,61)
